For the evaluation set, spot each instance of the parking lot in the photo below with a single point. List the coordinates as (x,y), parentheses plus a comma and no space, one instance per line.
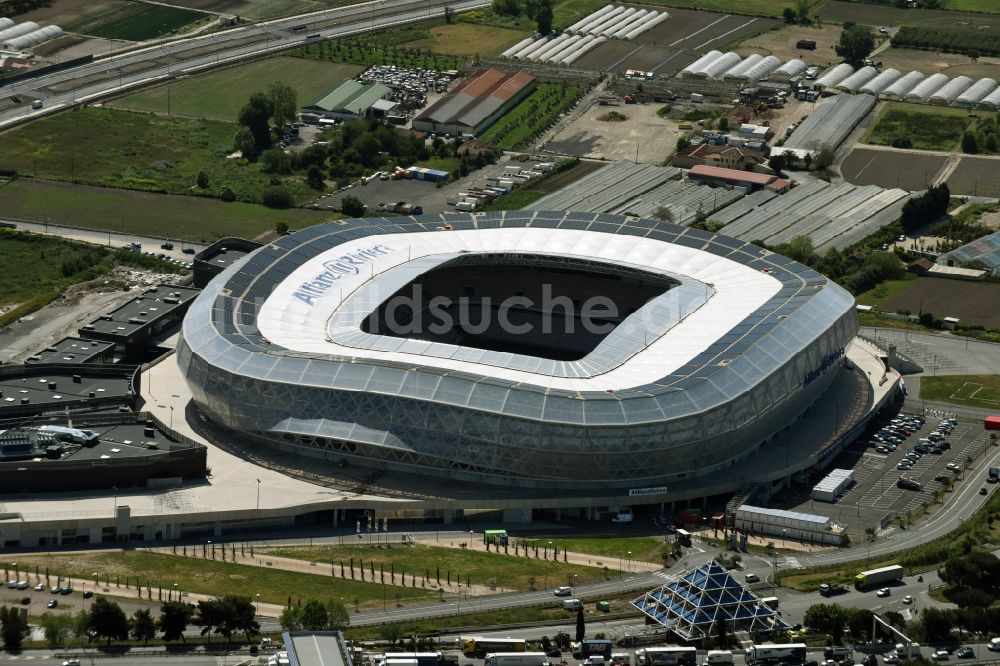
(876,474)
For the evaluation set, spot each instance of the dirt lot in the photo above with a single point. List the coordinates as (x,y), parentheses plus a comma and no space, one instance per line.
(673,44)
(655,137)
(781,43)
(905,170)
(950,298)
(976,176)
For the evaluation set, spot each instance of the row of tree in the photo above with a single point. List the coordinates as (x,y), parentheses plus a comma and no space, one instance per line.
(928,207)
(315,616)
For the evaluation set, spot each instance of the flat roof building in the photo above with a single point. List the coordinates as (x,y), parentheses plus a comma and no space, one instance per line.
(218,256)
(74,350)
(316,648)
(476,103)
(131,326)
(733,178)
(346,100)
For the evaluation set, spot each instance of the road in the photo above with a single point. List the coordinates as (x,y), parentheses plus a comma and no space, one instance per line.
(110,238)
(171,59)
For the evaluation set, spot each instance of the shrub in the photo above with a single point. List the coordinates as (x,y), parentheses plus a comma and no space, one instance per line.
(277,196)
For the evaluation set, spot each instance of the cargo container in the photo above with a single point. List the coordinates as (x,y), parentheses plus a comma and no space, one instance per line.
(516,659)
(788,653)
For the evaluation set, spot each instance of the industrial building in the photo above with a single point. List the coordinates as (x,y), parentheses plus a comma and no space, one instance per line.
(75,350)
(349,100)
(219,256)
(316,648)
(133,326)
(294,347)
(724,156)
(781,524)
(476,103)
(747,180)
(833,485)
(692,605)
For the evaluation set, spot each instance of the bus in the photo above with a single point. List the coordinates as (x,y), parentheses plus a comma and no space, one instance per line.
(788,653)
(496,537)
(588,647)
(477,646)
(683,537)
(672,655)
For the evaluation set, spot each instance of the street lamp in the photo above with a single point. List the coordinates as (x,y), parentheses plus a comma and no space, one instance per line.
(258,494)
(176,596)
(258,604)
(629,561)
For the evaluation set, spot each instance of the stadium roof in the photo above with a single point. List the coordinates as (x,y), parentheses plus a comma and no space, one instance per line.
(692,605)
(476,98)
(271,316)
(349,96)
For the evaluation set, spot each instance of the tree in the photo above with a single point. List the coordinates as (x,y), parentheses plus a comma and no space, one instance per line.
(789,15)
(281,228)
(802,11)
(228,615)
(890,265)
(339,618)
(682,143)
(314,178)
(275,160)
(723,124)
(81,627)
(778,163)
(291,618)
(57,628)
(352,206)
(800,249)
(243,142)
(970,144)
(12,628)
(828,618)
(824,158)
(314,616)
(175,616)
(507,7)
(581,627)
(108,620)
(202,180)
(255,115)
(142,625)
(856,43)
(284,103)
(540,11)
(276,196)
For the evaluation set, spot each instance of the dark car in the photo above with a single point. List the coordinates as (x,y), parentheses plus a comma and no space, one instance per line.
(966,653)
(25,600)
(88,594)
(869,660)
(167,246)
(188,250)
(555,652)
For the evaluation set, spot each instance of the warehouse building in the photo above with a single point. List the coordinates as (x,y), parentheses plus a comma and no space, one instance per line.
(74,350)
(750,181)
(476,103)
(348,100)
(833,485)
(134,325)
(803,527)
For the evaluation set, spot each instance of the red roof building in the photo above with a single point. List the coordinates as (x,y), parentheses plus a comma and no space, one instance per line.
(476,103)
(719,176)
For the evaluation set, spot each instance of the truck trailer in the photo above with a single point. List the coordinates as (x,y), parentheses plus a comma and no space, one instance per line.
(788,653)
(671,655)
(867,579)
(516,659)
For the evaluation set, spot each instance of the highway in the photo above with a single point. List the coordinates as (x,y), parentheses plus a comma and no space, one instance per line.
(171,59)
(110,238)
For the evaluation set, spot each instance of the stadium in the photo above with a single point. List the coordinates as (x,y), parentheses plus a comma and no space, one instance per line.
(521,348)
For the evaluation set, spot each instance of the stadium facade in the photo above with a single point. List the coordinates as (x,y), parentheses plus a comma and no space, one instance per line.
(716,346)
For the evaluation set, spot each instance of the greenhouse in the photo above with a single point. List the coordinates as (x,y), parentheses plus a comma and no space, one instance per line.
(853,82)
(949,92)
(975,93)
(789,70)
(881,82)
(833,76)
(904,85)
(923,90)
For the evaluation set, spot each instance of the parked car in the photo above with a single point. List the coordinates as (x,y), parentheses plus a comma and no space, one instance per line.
(983,491)
(966,653)
(188,250)
(753,578)
(53,604)
(941,655)
(167,246)
(40,587)
(890,659)
(563,591)
(908,599)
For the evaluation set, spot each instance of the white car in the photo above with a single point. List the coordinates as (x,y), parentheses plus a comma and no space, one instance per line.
(955,467)
(941,655)
(908,599)
(884,592)
(563,591)
(40,587)
(890,659)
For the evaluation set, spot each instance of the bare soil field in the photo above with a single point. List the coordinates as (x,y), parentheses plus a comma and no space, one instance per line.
(879,15)
(609,56)
(655,137)
(703,31)
(65,13)
(215,6)
(950,298)
(781,44)
(976,176)
(885,168)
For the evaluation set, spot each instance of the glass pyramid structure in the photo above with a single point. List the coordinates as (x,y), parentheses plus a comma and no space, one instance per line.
(692,604)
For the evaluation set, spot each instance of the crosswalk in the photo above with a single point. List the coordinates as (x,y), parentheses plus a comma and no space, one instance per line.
(792,563)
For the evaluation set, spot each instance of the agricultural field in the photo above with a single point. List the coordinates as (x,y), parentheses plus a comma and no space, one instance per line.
(136,21)
(211,95)
(216,578)
(195,219)
(976,176)
(838,11)
(781,43)
(531,116)
(950,298)
(68,13)
(884,291)
(887,168)
(982,391)
(508,571)
(926,127)
(952,64)
(140,151)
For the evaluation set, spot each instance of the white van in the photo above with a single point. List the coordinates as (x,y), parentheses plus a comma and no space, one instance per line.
(993,645)
(571,604)
(719,658)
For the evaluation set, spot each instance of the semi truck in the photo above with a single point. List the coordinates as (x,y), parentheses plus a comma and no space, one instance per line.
(719,658)
(788,653)
(516,659)
(671,655)
(868,579)
(419,658)
(831,589)
(588,647)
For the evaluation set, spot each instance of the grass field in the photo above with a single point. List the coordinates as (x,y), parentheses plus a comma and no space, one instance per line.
(883,292)
(196,219)
(136,21)
(531,116)
(137,151)
(981,391)
(217,578)
(649,549)
(509,571)
(211,95)
(516,199)
(467,39)
(987,6)
(928,128)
